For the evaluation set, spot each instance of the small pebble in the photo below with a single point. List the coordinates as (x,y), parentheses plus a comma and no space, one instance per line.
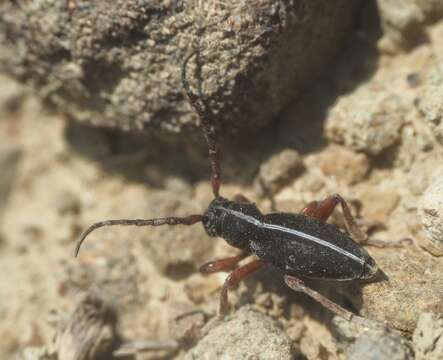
(413,80)
(246,335)
(379,344)
(368,120)
(67,203)
(278,171)
(344,164)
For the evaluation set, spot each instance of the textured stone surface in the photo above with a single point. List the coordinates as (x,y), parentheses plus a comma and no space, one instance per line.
(246,335)
(118,63)
(344,165)
(415,285)
(368,120)
(404,21)
(431,101)
(431,209)
(379,344)
(428,337)
(278,171)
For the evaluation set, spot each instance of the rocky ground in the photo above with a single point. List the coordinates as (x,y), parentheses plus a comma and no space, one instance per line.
(370,129)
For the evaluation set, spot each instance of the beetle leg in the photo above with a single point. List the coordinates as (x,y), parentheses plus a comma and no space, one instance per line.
(310,209)
(298,285)
(239,198)
(226,264)
(321,210)
(234,278)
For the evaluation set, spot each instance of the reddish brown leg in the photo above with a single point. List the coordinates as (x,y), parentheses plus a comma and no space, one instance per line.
(234,278)
(239,198)
(309,210)
(298,285)
(226,264)
(321,210)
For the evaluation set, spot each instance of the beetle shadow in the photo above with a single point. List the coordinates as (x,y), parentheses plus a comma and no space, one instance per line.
(301,124)
(153,158)
(345,294)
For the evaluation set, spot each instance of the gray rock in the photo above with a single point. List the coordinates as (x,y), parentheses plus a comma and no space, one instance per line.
(431,102)
(247,334)
(431,209)
(117,64)
(379,344)
(415,285)
(278,171)
(345,332)
(428,337)
(368,120)
(404,21)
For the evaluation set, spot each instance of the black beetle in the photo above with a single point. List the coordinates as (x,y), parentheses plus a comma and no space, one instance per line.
(298,245)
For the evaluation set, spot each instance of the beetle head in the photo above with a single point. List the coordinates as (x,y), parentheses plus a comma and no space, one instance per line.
(213,216)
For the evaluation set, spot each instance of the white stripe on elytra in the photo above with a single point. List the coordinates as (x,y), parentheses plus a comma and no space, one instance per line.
(301,234)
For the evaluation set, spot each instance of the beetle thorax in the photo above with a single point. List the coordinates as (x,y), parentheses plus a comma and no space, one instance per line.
(222,219)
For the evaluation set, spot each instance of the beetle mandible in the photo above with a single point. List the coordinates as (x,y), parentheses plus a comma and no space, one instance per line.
(298,245)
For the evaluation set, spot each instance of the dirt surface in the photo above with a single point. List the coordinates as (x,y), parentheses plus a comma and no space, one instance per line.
(370,130)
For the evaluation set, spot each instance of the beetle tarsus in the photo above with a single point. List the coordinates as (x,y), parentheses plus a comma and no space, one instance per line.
(298,285)
(233,279)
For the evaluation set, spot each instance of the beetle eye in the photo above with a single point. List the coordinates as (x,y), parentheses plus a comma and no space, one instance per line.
(210,223)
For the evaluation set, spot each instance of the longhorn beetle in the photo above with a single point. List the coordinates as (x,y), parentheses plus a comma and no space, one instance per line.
(298,245)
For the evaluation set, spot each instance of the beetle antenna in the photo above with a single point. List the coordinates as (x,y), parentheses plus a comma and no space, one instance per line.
(188,220)
(209,129)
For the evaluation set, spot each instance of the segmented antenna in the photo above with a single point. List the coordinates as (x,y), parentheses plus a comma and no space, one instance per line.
(209,129)
(210,134)
(188,220)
